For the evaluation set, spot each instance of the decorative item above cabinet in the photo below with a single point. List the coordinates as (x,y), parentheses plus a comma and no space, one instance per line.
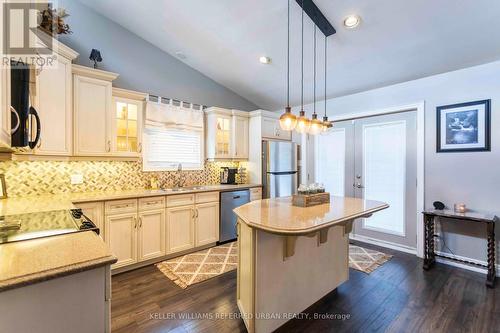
(226,134)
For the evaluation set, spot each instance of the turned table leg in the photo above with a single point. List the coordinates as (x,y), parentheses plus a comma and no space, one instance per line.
(490,279)
(429,256)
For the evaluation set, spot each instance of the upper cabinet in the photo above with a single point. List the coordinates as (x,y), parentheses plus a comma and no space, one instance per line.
(54,103)
(126,122)
(240,137)
(92,111)
(271,129)
(226,134)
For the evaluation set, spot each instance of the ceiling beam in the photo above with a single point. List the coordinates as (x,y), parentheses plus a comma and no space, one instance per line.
(317,17)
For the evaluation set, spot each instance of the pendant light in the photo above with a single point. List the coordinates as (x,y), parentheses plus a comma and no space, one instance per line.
(326,124)
(303,123)
(288,120)
(316,124)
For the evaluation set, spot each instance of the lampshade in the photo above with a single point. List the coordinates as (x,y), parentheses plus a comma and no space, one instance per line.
(303,123)
(316,125)
(288,120)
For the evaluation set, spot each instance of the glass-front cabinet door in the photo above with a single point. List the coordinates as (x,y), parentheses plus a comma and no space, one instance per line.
(126,133)
(223,137)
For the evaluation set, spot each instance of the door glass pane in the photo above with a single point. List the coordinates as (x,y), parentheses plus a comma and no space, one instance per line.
(330,169)
(384,168)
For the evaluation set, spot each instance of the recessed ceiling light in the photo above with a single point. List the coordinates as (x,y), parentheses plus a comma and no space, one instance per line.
(352,21)
(265,60)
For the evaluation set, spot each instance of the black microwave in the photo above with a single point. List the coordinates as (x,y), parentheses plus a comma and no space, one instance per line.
(25,122)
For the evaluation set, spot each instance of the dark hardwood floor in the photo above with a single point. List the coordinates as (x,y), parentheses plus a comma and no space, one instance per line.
(397,297)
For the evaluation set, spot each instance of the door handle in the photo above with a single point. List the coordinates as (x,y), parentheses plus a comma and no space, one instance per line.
(236,197)
(194,213)
(32,143)
(358,185)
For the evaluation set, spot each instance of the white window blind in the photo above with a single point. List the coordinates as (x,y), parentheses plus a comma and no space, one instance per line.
(170,139)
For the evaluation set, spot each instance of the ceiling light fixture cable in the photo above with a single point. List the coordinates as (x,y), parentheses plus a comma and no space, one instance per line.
(288,121)
(316,125)
(303,124)
(326,124)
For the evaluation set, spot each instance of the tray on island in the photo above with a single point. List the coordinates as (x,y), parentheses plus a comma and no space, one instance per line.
(308,200)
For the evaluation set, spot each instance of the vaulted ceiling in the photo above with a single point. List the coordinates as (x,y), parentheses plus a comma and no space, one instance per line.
(396,42)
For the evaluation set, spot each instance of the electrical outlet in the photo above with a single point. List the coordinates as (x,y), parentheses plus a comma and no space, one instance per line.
(76,179)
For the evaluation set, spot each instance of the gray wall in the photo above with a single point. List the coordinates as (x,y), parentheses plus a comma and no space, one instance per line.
(141,65)
(472,178)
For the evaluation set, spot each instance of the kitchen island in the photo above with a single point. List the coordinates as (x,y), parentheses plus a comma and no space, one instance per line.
(290,257)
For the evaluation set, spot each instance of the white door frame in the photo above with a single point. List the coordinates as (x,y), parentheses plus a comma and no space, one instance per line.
(420,109)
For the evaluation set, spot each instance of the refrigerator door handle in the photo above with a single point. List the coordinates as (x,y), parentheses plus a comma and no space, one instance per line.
(283,173)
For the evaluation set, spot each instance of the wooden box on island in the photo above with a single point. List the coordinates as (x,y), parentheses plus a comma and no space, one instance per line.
(308,200)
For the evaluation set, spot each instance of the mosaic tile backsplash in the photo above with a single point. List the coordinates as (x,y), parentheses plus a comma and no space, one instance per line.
(31,178)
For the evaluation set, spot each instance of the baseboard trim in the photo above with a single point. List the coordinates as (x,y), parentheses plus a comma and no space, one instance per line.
(390,245)
(465,266)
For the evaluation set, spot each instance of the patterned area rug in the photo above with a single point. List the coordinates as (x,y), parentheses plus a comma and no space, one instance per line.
(366,260)
(202,265)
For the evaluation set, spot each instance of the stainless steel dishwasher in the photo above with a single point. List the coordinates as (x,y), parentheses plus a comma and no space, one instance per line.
(229,201)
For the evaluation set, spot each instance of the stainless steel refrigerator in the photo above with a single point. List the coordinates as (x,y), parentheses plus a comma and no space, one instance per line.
(280,168)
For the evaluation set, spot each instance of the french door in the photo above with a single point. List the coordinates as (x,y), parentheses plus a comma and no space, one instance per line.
(374,158)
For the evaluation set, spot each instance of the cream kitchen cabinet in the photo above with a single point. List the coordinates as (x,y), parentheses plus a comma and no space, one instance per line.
(54,103)
(95,212)
(126,122)
(226,134)
(240,137)
(121,237)
(180,228)
(135,229)
(271,130)
(206,223)
(192,225)
(151,235)
(92,93)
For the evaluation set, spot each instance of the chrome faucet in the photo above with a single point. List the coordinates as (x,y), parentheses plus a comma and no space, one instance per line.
(181,177)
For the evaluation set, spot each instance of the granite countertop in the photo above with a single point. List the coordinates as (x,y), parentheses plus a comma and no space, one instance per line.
(279,216)
(50,202)
(36,260)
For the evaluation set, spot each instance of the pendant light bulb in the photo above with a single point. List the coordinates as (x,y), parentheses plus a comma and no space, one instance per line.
(326,125)
(316,125)
(288,120)
(303,123)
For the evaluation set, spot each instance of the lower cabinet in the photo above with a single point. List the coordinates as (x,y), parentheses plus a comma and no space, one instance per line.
(206,223)
(151,234)
(138,230)
(121,237)
(180,228)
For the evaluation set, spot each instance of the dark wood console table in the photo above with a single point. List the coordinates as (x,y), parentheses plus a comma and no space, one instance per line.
(488,219)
